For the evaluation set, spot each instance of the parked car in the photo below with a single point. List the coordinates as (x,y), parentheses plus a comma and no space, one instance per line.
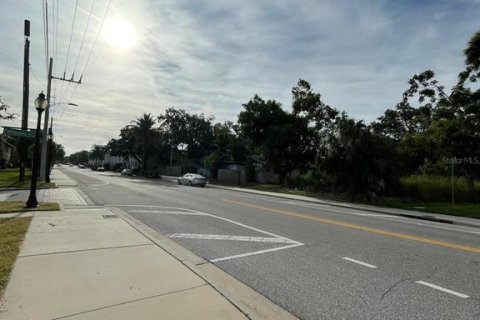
(100,169)
(127,172)
(192,179)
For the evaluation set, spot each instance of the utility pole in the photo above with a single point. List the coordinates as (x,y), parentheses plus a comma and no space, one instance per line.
(44,165)
(26,86)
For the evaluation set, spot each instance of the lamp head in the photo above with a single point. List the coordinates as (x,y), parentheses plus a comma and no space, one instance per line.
(50,134)
(40,102)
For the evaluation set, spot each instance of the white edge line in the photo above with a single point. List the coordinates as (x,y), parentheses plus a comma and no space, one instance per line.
(256,252)
(434,286)
(360,262)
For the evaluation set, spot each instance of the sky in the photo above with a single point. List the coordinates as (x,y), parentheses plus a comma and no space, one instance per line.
(212,56)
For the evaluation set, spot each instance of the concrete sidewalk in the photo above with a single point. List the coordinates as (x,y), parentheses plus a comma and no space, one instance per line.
(91,264)
(100,263)
(463,221)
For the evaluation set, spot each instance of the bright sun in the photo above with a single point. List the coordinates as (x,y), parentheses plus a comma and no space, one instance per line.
(119,33)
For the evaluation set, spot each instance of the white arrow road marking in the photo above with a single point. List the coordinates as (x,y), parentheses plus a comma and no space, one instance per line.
(434,286)
(227,237)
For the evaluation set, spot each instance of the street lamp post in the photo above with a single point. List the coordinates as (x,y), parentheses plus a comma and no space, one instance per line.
(40,104)
(49,152)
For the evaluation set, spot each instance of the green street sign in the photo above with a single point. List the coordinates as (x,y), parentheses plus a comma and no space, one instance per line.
(17,132)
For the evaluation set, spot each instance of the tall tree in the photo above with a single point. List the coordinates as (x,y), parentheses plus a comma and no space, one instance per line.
(97,153)
(321,117)
(279,139)
(144,134)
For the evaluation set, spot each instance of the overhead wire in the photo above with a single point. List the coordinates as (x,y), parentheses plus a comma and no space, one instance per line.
(93,46)
(45,35)
(69,46)
(83,38)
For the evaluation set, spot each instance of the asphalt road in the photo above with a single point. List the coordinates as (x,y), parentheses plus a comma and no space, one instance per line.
(316,261)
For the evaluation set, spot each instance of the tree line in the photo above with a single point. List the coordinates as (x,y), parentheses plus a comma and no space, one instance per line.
(328,149)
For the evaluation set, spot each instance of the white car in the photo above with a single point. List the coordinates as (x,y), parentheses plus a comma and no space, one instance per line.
(192,179)
(127,172)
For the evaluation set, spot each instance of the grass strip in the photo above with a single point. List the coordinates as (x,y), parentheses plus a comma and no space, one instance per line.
(9,179)
(12,232)
(19,206)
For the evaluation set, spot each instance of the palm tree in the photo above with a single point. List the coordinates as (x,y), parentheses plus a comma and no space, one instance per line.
(144,135)
(98,153)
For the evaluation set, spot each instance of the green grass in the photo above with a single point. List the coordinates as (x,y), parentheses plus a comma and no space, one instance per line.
(19,206)
(430,188)
(12,232)
(9,179)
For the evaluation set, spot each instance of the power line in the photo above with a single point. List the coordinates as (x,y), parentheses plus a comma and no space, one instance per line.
(84,34)
(93,46)
(45,32)
(69,46)
(71,36)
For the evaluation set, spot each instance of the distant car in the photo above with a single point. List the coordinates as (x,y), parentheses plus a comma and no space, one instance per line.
(127,172)
(100,169)
(192,179)
(81,166)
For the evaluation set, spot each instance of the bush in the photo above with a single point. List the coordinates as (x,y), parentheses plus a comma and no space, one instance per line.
(308,182)
(437,189)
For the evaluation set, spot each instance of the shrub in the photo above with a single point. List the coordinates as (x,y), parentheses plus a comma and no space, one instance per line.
(437,189)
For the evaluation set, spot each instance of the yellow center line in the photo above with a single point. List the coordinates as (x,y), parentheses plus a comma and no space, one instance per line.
(359,227)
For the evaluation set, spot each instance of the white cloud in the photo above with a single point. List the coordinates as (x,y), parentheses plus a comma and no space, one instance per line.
(213,55)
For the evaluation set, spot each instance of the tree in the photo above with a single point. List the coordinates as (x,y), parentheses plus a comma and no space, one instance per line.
(97,153)
(472,54)
(194,131)
(320,116)
(4,115)
(361,161)
(144,136)
(280,140)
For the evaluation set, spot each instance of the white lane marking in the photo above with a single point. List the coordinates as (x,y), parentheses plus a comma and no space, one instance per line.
(227,237)
(186,213)
(434,286)
(360,262)
(256,252)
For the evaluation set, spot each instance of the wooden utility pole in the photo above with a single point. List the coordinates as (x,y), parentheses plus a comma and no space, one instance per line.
(26,88)
(44,166)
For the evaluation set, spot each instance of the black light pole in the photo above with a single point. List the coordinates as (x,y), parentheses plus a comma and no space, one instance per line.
(40,104)
(49,152)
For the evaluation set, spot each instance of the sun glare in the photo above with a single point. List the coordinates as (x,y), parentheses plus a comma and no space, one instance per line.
(119,33)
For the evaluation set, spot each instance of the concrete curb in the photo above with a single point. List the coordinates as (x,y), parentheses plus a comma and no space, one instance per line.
(248,301)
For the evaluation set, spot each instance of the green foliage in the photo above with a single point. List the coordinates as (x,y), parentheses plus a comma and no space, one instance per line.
(438,189)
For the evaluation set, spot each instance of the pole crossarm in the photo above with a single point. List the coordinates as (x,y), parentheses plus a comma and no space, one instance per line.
(79,81)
